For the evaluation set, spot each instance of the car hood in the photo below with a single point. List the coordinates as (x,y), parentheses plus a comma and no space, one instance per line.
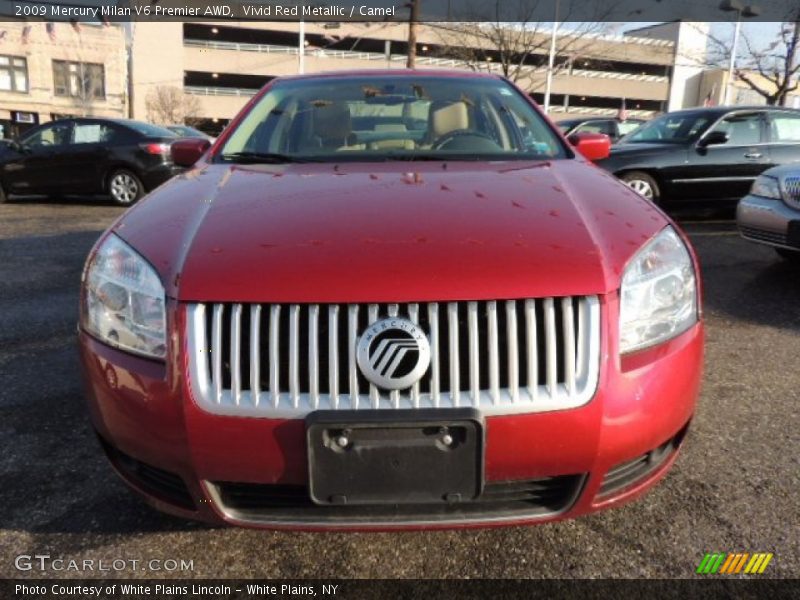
(390,232)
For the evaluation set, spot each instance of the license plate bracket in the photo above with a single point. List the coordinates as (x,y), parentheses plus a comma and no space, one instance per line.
(419,456)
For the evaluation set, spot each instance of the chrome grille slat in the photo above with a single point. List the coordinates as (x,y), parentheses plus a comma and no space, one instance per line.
(511,356)
(274,354)
(255,350)
(530,340)
(236,353)
(216,352)
(433,323)
(333,354)
(494,369)
(452,335)
(474,354)
(352,340)
(550,345)
(313,355)
(512,350)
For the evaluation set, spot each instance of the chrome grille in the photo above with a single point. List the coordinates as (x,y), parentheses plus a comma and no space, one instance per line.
(498,356)
(791,188)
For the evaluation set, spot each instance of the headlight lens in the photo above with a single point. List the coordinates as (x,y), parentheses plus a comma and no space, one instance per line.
(123,300)
(658,299)
(766,187)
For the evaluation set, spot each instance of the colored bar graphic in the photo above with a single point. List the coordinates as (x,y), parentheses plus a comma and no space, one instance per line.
(724,563)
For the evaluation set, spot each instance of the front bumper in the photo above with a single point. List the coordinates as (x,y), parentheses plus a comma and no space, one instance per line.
(253,471)
(768,221)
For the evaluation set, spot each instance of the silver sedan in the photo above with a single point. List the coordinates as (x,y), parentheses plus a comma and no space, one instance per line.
(770,213)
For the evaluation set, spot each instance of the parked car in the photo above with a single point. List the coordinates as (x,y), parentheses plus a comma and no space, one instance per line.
(705,154)
(613,128)
(391,299)
(189,132)
(770,213)
(119,157)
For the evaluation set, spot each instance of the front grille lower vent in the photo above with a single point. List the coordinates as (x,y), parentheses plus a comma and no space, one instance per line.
(274,503)
(497,356)
(762,235)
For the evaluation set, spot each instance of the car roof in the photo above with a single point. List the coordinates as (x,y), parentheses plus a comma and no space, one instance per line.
(721,110)
(378,73)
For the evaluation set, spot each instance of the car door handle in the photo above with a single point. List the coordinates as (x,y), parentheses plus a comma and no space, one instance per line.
(753,155)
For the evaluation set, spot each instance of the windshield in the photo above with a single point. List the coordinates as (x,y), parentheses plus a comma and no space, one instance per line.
(675,128)
(391,118)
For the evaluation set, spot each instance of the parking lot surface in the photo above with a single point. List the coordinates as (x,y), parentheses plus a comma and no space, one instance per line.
(733,489)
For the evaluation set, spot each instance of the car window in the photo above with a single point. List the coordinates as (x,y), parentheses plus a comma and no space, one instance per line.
(742,129)
(625,127)
(675,128)
(93,133)
(785,127)
(56,134)
(606,127)
(394,117)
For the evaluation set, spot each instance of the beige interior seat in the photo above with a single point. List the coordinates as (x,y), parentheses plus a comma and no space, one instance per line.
(448,118)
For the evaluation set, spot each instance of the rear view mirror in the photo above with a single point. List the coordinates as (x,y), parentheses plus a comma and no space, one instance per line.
(593,146)
(714,139)
(187,152)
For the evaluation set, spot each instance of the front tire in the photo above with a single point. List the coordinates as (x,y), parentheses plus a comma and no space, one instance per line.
(124,187)
(644,184)
(3,197)
(791,256)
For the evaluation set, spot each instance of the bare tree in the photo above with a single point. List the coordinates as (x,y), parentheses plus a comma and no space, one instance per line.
(515,43)
(776,66)
(167,105)
(771,70)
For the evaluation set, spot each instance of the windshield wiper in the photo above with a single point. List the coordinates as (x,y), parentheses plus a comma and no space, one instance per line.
(270,158)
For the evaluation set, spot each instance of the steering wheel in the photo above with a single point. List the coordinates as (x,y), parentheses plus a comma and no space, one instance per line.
(445,139)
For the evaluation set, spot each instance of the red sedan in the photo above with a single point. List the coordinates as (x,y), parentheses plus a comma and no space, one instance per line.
(387,300)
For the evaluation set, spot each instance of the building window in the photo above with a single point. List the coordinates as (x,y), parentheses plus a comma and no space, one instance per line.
(13,74)
(79,80)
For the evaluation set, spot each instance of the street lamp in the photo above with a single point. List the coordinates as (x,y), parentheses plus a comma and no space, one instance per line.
(741,11)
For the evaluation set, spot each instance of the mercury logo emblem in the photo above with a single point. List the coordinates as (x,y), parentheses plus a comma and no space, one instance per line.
(393,353)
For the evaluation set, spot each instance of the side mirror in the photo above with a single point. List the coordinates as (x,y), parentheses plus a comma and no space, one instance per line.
(714,138)
(187,152)
(593,146)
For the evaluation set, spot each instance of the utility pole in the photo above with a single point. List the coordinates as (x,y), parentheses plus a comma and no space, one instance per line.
(551,61)
(413,19)
(301,49)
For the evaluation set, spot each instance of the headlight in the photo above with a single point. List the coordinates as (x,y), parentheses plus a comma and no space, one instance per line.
(123,300)
(766,187)
(658,299)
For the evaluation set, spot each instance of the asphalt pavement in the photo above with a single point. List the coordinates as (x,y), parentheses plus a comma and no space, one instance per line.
(733,489)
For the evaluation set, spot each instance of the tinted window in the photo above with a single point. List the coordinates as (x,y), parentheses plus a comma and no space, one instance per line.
(785,127)
(673,128)
(382,118)
(56,134)
(742,129)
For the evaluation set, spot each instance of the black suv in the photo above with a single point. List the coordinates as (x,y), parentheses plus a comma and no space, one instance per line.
(705,153)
